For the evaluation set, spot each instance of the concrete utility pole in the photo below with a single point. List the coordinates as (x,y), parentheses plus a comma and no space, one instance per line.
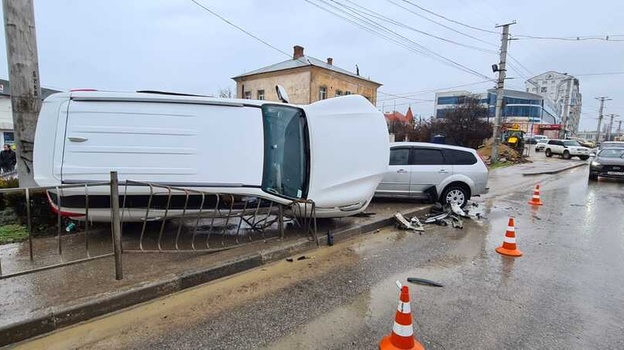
(619,131)
(602,101)
(21,43)
(500,85)
(610,126)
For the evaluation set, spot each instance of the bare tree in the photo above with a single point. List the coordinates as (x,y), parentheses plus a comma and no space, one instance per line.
(226,92)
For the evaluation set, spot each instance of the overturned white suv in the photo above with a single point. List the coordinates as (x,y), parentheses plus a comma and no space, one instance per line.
(566,149)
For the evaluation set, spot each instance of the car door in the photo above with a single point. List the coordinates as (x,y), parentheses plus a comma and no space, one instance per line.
(396,181)
(428,168)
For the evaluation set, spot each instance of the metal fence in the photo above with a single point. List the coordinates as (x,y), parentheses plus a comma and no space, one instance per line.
(173,220)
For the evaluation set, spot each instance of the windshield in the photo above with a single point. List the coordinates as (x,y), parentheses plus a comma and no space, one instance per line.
(571,143)
(286,146)
(612,153)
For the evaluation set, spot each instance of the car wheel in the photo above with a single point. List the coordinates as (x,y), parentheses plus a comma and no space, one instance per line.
(548,152)
(455,194)
(593,176)
(584,157)
(566,155)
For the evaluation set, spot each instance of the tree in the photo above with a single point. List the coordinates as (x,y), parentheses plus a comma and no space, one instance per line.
(465,125)
(225,93)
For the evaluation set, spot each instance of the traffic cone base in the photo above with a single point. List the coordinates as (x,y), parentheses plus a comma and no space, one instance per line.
(508,252)
(386,344)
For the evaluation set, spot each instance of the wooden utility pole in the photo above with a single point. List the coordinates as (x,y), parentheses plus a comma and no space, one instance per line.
(21,43)
(500,85)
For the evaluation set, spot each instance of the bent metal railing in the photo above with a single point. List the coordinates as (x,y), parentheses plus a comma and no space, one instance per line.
(204,222)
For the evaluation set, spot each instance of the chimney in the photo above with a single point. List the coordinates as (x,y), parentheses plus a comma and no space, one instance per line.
(298,52)
(330,61)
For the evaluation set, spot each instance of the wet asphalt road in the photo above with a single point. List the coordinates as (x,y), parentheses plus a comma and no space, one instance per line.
(566,292)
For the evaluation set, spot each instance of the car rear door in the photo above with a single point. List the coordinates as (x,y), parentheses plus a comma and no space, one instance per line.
(428,168)
(396,181)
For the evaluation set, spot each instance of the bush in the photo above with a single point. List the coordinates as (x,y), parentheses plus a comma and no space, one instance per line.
(13,209)
(13,233)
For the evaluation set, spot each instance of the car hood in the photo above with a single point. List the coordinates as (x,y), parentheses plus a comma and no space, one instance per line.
(349,150)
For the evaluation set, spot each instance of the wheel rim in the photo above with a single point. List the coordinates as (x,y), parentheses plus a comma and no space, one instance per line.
(455,196)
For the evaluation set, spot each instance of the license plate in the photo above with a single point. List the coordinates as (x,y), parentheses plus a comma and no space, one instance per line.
(615,173)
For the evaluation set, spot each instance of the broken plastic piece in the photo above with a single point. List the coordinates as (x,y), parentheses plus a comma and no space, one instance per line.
(403,223)
(424,282)
(458,210)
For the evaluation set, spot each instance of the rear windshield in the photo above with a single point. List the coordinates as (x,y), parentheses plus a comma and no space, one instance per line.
(286,151)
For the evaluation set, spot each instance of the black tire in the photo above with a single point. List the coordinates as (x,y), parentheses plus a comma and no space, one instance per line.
(455,193)
(566,155)
(593,177)
(548,152)
(584,157)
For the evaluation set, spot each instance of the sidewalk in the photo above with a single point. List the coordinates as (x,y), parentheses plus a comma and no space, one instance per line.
(42,302)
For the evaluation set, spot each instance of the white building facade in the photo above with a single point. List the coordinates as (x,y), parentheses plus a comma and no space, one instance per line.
(564,91)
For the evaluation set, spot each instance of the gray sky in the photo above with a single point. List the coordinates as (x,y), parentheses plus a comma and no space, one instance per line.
(175,45)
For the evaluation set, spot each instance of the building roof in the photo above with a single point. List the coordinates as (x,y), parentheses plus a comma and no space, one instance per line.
(302,61)
(5,89)
(400,117)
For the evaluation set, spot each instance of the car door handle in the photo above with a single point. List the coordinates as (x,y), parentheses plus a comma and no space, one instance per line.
(401,171)
(77,139)
(442,171)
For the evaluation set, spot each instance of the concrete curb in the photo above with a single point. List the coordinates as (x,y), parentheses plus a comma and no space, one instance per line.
(556,171)
(57,318)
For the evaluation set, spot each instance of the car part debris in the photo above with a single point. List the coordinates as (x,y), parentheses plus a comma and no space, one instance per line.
(456,221)
(403,223)
(424,282)
(455,208)
(433,219)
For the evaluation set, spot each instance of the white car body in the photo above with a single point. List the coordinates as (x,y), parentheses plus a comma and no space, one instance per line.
(412,179)
(566,148)
(541,144)
(211,144)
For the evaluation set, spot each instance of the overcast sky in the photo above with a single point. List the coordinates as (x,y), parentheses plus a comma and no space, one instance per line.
(175,45)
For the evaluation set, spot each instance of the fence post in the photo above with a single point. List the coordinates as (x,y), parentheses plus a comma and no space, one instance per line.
(116,223)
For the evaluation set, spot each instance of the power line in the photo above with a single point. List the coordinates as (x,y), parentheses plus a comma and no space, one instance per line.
(440,24)
(239,28)
(589,74)
(451,20)
(423,92)
(399,24)
(382,31)
(570,38)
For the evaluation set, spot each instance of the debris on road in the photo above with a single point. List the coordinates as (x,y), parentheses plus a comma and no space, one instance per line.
(424,282)
(414,224)
(441,215)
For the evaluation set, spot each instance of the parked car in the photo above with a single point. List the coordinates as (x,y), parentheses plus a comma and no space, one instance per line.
(609,162)
(567,149)
(541,144)
(583,142)
(433,171)
(333,152)
(534,139)
(610,144)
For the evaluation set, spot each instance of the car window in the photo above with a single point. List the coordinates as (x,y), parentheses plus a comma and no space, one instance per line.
(552,142)
(425,156)
(457,157)
(399,156)
(571,143)
(612,153)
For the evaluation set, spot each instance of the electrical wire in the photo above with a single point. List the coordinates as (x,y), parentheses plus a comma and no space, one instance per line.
(382,31)
(451,20)
(570,38)
(423,92)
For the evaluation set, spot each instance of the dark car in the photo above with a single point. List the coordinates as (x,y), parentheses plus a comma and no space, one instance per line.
(609,162)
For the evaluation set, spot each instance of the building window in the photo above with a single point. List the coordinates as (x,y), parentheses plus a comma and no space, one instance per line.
(322,93)
(247,95)
(347,92)
(339,93)
(534,89)
(544,89)
(9,137)
(260,94)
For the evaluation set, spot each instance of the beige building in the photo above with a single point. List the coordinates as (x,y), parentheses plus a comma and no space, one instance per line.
(306,79)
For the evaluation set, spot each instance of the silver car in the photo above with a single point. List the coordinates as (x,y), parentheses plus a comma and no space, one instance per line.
(433,171)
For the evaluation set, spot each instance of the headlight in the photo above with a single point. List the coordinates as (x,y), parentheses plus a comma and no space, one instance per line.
(595,164)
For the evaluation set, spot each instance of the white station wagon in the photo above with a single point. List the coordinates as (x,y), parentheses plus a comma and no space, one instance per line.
(445,173)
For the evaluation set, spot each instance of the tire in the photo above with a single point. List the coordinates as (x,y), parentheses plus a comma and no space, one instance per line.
(548,152)
(593,177)
(566,155)
(455,193)
(584,157)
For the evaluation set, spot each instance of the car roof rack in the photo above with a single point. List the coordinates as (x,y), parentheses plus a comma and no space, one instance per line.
(169,93)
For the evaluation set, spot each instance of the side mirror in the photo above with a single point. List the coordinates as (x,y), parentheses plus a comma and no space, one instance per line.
(282,95)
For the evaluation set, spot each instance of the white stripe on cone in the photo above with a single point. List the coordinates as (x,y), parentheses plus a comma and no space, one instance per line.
(402,331)
(511,229)
(510,240)
(404,308)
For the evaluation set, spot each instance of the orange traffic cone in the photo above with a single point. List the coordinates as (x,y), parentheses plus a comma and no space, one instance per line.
(402,336)
(509,243)
(536,198)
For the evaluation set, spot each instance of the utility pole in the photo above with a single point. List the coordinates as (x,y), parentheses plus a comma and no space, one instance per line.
(619,129)
(602,101)
(21,44)
(610,126)
(499,90)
